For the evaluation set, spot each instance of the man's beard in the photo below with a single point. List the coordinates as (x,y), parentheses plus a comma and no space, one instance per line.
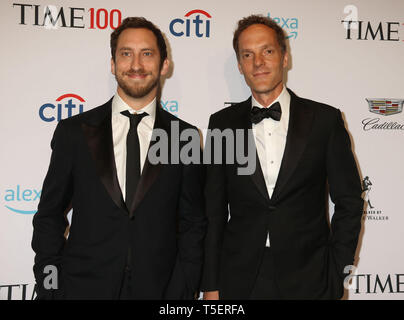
(136,91)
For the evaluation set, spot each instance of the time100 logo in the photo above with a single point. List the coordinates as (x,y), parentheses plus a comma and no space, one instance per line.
(53,17)
(103,18)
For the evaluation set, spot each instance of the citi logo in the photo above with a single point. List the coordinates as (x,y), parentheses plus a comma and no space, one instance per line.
(49,112)
(20,200)
(192,25)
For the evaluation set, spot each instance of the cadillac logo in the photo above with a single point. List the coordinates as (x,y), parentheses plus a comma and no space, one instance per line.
(385,107)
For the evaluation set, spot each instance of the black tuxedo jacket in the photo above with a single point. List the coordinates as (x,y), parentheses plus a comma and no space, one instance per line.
(164,229)
(309,254)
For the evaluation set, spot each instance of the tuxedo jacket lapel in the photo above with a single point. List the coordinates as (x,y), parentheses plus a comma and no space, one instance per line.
(300,122)
(258,178)
(97,129)
(98,132)
(150,171)
(245,123)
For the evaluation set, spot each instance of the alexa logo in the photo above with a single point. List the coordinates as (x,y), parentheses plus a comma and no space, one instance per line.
(290,25)
(22,200)
(66,105)
(196,23)
(170,106)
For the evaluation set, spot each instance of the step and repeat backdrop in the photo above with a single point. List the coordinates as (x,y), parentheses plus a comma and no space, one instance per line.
(55,63)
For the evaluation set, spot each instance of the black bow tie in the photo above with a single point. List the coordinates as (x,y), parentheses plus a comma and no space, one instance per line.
(274,112)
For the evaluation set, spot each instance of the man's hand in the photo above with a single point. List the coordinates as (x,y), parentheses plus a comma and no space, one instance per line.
(211,295)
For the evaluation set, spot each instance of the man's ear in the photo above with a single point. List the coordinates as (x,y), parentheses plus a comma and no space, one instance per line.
(112,66)
(239,67)
(165,67)
(285,60)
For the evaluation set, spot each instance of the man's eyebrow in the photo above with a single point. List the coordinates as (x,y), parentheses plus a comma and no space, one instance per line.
(130,49)
(265,46)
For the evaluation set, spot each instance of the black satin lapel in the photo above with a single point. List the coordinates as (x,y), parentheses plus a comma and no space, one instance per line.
(300,122)
(150,171)
(257,177)
(99,140)
(149,175)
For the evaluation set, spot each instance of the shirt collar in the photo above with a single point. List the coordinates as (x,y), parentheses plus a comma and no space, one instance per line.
(118,105)
(283,99)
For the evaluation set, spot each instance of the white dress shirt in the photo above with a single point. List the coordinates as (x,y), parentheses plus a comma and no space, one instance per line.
(120,128)
(270,140)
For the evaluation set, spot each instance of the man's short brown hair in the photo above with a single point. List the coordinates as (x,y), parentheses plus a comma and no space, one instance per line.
(136,23)
(259,19)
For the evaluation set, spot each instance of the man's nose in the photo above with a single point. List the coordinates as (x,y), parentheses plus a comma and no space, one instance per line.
(258,60)
(136,63)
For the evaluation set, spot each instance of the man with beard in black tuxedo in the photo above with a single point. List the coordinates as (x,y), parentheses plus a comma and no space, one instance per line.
(137,226)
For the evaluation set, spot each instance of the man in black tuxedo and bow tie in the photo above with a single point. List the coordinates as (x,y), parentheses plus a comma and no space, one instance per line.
(137,226)
(277,243)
